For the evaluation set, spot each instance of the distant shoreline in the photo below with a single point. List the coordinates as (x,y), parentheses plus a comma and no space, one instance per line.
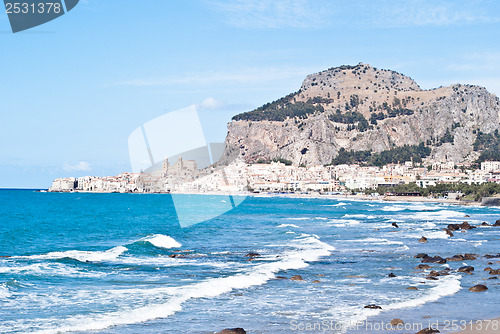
(393,198)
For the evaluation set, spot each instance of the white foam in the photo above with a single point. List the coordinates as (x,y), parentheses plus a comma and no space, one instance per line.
(359,216)
(446,286)
(298,218)
(82,256)
(344,222)
(377,241)
(288,225)
(163,241)
(307,249)
(320,218)
(4,291)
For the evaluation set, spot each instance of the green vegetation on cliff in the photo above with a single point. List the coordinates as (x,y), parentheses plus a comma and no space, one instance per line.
(282,109)
(489,145)
(394,155)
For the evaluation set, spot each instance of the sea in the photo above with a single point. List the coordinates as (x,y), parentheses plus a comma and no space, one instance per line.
(121,263)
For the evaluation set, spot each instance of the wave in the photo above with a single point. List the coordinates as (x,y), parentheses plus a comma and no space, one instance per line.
(344,222)
(377,241)
(288,225)
(4,291)
(448,285)
(163,241)
(298,218)
(307,248)
(359,216)
(82,256)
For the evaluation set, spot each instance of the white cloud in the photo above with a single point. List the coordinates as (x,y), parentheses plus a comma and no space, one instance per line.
(81,166)
(267,14)
(210,104)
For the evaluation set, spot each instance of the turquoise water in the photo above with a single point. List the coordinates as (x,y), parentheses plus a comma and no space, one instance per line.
(102,263)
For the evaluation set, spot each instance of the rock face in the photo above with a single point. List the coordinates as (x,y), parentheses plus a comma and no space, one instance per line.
(411,116)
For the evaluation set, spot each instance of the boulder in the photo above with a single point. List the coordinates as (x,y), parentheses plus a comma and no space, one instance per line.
(456,258)
(466,269)
(316,281)
(373,306)
(449,232)
(488,269)
(492,256)
(485,224)
(397,321)
(478,288)
(493,277)
(421,256)
(423,267)
(494,272)
(470,257)
(434,259)
(281,277)
(466,226)
(432,278)
(252,254)
(428,331)
(433,274)
(296,278)
(466,216)
(391,275)
(232,331)
(412,288)
(453,227)
(395,225)
(423,239)
(497,223)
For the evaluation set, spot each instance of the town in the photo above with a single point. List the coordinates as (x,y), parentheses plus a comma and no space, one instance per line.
(240,177)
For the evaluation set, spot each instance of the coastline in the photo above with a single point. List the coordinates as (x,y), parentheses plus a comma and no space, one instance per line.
(395,198)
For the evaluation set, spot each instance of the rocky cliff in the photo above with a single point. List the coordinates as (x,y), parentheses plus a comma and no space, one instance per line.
(363,108)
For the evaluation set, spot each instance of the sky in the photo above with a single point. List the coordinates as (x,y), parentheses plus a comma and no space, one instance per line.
(73,90)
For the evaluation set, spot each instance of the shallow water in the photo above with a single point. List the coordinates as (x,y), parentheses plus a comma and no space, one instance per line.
(100,262)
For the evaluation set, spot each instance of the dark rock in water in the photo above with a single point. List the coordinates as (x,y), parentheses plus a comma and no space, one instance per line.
(488,269)
(281,277)
(497,223)
(478,288)
(434,259)
(391,275)
(252,254)
(466,226)
(296,278)
(485,224)
(232,331)
(397,321)
(470,257)
(466,269)
(412,288)
(453,227)
(489,263)
(493,277)
(434,274)
(466,216)
(423,267)
(449,232)
(176,256)
(316,281)
(395,225)
(432,278)
(428,331)
(456,258)
(492,256)
(373,306)
(494,272)
(423,239)
(421,256)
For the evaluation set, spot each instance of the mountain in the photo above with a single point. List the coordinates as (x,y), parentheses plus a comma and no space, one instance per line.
(363,111)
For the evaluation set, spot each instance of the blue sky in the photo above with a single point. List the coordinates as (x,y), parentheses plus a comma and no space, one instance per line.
(73,90)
